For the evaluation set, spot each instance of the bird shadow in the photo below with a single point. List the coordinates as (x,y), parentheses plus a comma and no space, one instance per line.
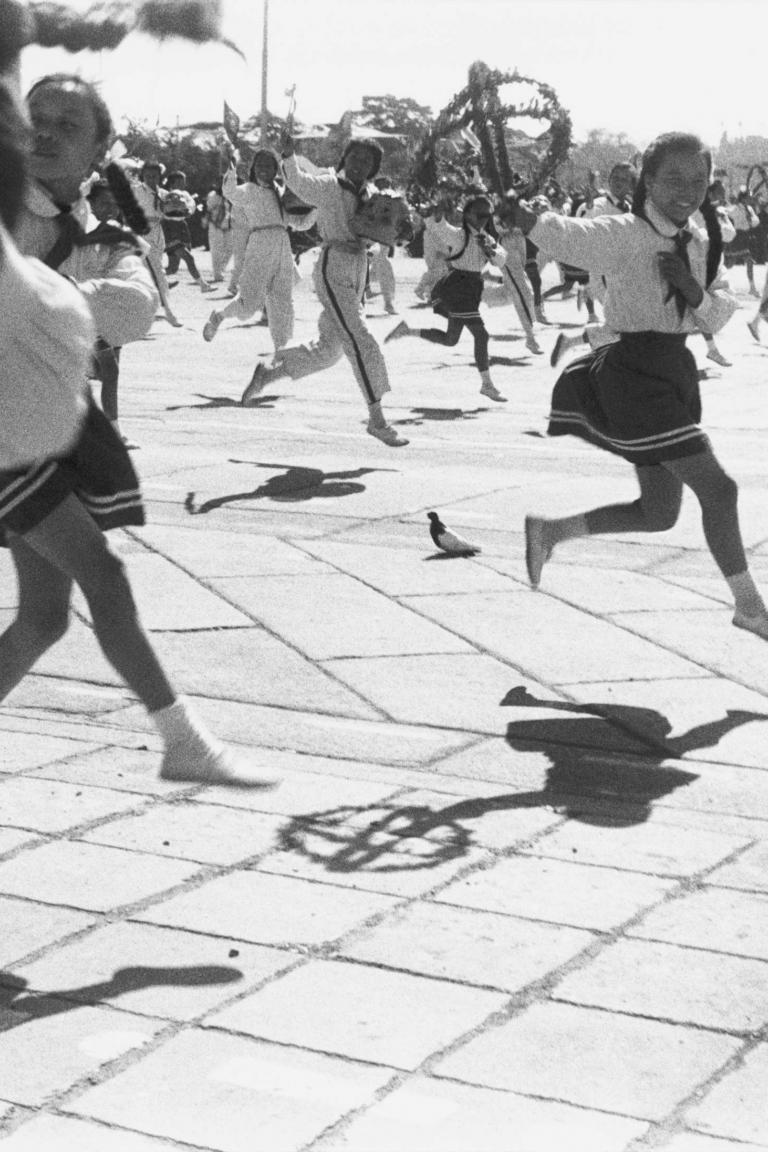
(295,484)
(16,1008)
(590,778)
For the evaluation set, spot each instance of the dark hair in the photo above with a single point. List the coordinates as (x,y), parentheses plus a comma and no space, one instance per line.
(490,228)
(130,209)
(177,175)
(14,145)
(623,166)
(670,144)
(256,156)
(376,155)
(101,114)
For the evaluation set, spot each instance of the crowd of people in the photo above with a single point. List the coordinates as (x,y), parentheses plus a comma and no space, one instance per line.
(86,255)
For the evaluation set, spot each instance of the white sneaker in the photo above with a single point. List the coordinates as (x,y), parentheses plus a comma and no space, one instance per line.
(492,392)
(716,355)
(397,332)
(212,326)
(387,434)
(754,327)
(194,760)
(256,387)
(756,624)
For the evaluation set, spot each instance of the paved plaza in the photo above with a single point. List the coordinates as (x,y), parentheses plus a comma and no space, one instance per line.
(511,892)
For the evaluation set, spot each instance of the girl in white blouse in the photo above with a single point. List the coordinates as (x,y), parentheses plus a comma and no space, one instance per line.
(639,396)
(267,274)
(468,250)
(56,501)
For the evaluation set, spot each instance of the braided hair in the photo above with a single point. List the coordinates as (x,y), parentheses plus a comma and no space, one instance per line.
(668,144)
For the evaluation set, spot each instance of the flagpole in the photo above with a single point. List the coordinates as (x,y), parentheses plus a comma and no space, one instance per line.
(264,64)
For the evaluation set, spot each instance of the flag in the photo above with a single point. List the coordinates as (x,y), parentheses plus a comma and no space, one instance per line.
(231,122)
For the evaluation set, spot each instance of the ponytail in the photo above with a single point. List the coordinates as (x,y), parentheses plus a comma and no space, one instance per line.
(130,209)
(715,237)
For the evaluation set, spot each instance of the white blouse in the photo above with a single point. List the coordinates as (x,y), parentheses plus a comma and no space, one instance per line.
(624,249)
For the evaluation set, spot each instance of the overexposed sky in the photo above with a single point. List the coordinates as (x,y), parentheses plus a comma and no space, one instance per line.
(637,66)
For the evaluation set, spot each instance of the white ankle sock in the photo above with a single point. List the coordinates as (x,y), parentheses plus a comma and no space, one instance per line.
(179,722)
(746,597)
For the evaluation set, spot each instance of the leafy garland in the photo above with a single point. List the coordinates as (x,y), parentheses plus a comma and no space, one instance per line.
(478,106)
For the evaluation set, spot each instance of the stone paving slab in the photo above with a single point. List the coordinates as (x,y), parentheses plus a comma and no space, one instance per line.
(737,1107)
(66,1134)
(635,1067)
(361,1013)
(83,1039)
(28,926)
(435,1116)
(689,986)
(218,1090)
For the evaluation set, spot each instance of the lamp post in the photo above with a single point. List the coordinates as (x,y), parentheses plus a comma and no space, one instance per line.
(264,64)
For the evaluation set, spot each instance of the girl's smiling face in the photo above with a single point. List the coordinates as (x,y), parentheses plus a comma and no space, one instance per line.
(359,164)
(264,168)
(679,185)
(478,214)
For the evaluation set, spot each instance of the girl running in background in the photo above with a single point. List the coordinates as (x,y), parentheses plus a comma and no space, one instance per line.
(469,249)
(639,396)
(268,270)
(340,275)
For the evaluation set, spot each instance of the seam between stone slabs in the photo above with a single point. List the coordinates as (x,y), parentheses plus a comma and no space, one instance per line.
(675,1123)
(259,623)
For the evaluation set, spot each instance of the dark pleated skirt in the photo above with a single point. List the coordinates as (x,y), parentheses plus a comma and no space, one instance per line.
(98,471)
(638,398)
(457,296)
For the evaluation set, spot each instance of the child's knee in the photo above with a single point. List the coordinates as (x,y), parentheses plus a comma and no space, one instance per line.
(660,517)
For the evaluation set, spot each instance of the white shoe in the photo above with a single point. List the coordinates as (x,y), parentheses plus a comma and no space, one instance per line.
(716,355)
(204,287)
(397,332)
(193,760)
(754,327)
(212,326)
(756,624)
(537,551)
(257,385)
(492,392)
(174,323)
(532,346)
(387,434)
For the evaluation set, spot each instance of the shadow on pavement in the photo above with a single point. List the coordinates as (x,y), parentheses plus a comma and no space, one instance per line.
(296,484)
(212,402)
(420,415)
(16,1009)
(587,780)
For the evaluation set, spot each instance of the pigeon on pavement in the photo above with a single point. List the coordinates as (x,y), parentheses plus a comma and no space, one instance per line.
(448,541)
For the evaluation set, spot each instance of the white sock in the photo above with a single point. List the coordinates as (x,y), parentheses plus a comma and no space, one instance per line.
(178,722)
(746,597)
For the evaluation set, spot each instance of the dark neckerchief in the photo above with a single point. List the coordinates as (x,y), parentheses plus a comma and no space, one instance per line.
(681,239)
(71,235)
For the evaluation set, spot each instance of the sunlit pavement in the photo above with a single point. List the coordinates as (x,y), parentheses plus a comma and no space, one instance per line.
(512,890)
